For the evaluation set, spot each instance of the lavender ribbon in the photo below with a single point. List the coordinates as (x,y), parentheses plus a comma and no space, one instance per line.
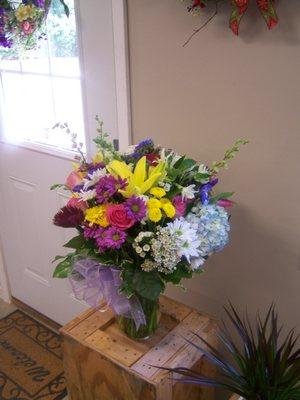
(93,282)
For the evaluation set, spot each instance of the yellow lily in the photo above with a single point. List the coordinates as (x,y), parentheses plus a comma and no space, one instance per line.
(139,182)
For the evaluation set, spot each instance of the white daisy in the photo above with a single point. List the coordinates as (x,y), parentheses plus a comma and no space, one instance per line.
(93,178)
(88,195)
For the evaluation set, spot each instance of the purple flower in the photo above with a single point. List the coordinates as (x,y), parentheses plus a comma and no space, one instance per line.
(111,238)
(135,208)
(206,189)
(90,232)
(107,187)
(77,188)
(93,167)
(40,3)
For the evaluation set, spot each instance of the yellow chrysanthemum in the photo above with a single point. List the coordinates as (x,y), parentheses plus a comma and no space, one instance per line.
(155,214)
(158,192)
(153,203)
(97,215)
(169,209)
(165,201)
(24,12)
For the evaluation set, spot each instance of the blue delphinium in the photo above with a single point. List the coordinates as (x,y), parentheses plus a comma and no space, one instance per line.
(211,222)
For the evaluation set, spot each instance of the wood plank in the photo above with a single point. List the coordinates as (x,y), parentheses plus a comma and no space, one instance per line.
(170,345)
(188,355)
(173,308)
(118,350)
(95,321)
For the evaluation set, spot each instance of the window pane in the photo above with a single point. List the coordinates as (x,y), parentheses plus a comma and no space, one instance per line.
(44,87)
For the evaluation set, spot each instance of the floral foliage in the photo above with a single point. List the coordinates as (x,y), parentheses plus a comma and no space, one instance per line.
(21,22)
(151,212)
(238,10)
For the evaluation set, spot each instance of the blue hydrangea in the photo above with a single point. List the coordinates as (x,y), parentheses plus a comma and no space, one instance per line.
(211,222)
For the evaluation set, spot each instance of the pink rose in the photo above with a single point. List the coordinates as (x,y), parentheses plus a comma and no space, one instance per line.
(73,180)
(77,203)
(117,216)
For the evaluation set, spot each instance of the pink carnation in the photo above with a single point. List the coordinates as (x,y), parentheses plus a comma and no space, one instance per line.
(180,206)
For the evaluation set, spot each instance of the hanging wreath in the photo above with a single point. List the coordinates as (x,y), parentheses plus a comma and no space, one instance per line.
(238,10)
(21,22)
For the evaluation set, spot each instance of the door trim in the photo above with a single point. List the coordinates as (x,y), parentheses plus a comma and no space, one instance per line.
(4,286)
(122,73)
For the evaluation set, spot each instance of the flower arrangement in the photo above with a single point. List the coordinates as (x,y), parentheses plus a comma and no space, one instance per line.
(238,10)
(21,22)
(144,218)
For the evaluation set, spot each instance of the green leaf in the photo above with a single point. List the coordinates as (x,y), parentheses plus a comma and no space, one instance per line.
(175,277)
(63,269)
(58,185)
(187,163)
(148,284)
(220,196)
(76,242)
(56,258)
(203,178)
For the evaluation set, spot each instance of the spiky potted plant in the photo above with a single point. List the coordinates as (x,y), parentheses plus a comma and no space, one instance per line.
(261,365)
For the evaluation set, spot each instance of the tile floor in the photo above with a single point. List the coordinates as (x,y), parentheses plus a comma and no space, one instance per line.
(6,309)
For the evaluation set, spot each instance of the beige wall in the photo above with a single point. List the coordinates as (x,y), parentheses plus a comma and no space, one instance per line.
(198,100)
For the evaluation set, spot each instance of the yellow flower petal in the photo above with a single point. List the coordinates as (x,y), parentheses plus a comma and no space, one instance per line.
(158,192)
(140,172)
(149,183)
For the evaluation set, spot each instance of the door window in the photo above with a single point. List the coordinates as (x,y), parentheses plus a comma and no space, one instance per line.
(43,86)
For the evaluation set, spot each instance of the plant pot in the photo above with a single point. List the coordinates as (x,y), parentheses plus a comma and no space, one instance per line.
(152,316)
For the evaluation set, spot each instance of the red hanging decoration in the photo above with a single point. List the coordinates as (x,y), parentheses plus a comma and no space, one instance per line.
(239,8)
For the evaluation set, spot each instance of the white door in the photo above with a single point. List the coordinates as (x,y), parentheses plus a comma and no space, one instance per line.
(63,81)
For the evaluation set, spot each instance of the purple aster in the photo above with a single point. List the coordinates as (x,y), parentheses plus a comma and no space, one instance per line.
(90,232)
(135,208)
(114,238)
(108,186)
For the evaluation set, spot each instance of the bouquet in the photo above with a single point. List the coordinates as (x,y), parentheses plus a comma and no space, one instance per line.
(144,218)
(21,22)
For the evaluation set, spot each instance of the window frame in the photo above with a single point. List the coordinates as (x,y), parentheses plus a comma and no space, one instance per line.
(118,122)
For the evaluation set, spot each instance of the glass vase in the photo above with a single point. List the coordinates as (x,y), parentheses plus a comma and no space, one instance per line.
(152,315)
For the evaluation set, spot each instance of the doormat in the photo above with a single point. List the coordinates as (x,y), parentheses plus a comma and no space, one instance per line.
(30,360)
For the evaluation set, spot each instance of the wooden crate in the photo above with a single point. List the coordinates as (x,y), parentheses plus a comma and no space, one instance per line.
(102,363)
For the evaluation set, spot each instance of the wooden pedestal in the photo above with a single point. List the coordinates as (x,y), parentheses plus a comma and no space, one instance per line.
(102,363)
